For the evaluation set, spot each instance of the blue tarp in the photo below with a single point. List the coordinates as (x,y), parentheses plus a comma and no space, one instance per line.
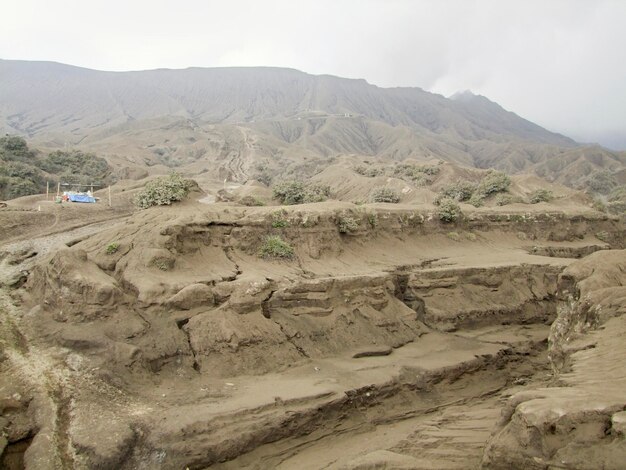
(81,198)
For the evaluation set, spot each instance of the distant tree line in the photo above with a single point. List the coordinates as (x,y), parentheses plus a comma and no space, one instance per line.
(24,171)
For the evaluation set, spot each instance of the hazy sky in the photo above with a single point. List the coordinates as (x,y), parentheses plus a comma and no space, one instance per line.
(560,63)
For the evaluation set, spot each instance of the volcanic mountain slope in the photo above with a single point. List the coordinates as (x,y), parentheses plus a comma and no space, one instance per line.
(233,118)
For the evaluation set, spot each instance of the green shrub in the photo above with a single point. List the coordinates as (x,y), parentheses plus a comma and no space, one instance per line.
(112,248)
(506,199)
(297,192)
(385,194)
(429,170)
(494,182)
(477,200)
(372,220)
(263,173)
(406,169)
(278,220)
(454,236)
(347,224)
(459,191)
(419,175)
(448,211)
(275,247)
(541,195)
(251,201)
(422,179)
(368,171)
(604,236)
(163,191)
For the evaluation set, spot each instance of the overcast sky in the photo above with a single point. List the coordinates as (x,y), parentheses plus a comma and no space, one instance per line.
(560,63)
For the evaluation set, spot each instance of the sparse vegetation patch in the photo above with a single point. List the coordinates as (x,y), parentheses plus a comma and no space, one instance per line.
(279,220)
(603,236)
(541,195)
(164,264)
(369,171)
(347,224)
(372,220)
(275,247)
(112,248)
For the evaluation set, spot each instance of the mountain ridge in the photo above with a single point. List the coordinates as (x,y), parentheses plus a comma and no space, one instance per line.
(182,117)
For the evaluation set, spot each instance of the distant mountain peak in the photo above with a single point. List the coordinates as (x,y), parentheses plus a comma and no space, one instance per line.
(464,95)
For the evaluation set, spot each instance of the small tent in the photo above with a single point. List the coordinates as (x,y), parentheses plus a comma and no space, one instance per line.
(78,197)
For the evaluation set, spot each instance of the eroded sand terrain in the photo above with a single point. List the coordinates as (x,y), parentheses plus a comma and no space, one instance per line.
(406,343)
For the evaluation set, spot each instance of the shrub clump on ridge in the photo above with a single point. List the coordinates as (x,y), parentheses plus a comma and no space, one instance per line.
(459,191)
(275,247)
(448,211)
(370,172)
(385,194)
(347,224)
(541,195)
(163,191)
(506,199)
(297,192)
(494,182)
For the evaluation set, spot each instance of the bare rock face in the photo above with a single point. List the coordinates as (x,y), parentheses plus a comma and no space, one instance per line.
(579,425)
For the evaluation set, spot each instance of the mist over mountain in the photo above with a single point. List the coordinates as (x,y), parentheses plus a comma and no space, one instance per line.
(198,117)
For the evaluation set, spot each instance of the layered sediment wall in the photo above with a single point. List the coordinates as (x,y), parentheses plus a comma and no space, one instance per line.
(179,316)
